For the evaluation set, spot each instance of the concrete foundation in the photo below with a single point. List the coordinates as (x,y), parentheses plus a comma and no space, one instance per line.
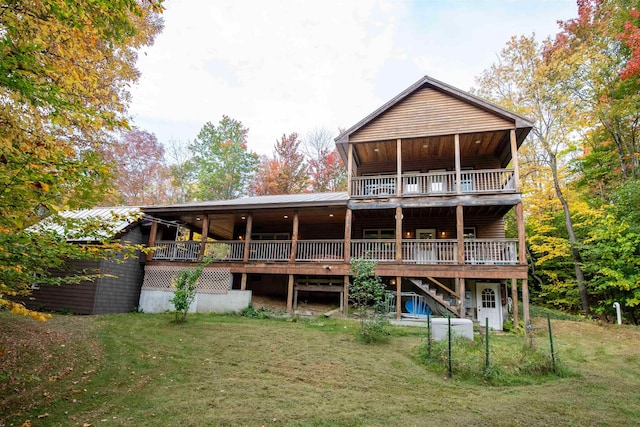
(152,301)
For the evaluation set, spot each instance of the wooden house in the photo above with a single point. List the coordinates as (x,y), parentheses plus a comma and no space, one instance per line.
(431,175)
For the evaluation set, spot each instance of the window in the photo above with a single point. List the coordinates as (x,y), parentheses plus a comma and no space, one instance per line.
(469,233)
(466,182)
(379,233)
(488,298)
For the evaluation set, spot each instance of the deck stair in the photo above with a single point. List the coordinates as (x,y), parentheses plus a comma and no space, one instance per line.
(437,295)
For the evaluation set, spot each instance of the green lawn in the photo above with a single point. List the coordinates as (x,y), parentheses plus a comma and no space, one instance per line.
(144,370)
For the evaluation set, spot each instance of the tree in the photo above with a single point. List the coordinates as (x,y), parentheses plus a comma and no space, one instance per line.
(185,285)
(221,161)
(181,171)
(64,72)
(284,173)
(367,292)
(326,169)
(140,174)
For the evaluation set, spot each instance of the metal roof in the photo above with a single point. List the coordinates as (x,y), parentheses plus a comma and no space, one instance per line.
(118,218)
(258,202)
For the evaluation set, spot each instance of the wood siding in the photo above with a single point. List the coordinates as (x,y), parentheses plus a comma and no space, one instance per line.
(429,112)
(426,165)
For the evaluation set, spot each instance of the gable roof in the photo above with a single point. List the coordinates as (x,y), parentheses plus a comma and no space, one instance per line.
(519,121)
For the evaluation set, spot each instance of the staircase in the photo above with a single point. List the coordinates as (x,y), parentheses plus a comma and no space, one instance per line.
(436,296)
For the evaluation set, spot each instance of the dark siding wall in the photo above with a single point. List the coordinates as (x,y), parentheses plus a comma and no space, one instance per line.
(425,165)
(78,298)
(267,284)
(121,294)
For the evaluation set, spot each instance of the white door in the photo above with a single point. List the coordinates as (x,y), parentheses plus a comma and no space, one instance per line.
(489,306)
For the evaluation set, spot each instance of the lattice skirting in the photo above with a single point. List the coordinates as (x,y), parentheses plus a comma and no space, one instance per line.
(212,281)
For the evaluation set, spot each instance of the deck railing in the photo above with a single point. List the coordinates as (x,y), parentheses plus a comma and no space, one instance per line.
(414,251)
(230,250)
(270,250)
(320,250)
(374,186)
(382,250)
(434,184)
(490,251)
(177,251)
(430,251)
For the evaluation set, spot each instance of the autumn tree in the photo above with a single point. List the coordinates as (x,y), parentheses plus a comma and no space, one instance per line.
(221,162)
(181,171)
(283,173)
(140,174)
(64,72)
(326,169)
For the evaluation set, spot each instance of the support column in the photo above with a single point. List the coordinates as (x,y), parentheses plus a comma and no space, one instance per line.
(514,301)
(461,292)
(399,167)
(294,238)
(525,304)
(514,160)
(347,236)
(152,238)
(460,232)
(345,303)
(247,238)
(243,282)
(290,294)
(522,245)
(456,141)
(398,297)
(399,234)
(205,235)
(349,167)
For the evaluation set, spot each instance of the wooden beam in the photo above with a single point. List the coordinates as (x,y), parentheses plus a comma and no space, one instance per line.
(461,291)
(152,238)
(460,232)
(399,167)
(399,235)
(456,293)
(398,297)
(514,160)
(290,294)
(345,295)
(347,236)
(247,237)
(294,237)
(456,140)
(522,244)
(525,304)
(205,235)
(319,288)
(349,167)
(514,301)
(243,282)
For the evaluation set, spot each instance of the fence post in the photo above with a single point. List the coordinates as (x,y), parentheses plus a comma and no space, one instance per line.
(486,339)
(553,354)
(449,330)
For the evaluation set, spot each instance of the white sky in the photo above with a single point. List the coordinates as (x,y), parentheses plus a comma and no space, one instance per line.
(283,66)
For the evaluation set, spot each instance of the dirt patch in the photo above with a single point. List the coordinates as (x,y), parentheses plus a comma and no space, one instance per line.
(311,307)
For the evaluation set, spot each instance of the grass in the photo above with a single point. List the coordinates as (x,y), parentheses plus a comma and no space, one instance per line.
(144,370)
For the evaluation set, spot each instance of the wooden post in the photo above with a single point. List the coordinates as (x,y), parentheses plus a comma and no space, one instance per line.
(522,245)
(456,141)
(205,235)
(399,297)
(349,167)
(247,238)
(290,294)
(461,291)
(345,295)
(243,282)
(294,238)
(514,160)
(460,232)
(399,167)
(399,234)
(514,301)
(525,304)
(347,236)
(152,238)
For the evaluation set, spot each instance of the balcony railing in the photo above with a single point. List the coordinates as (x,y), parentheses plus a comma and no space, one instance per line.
(382,250)
(430,251)
(320,250)
(414,251)
(434,184)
